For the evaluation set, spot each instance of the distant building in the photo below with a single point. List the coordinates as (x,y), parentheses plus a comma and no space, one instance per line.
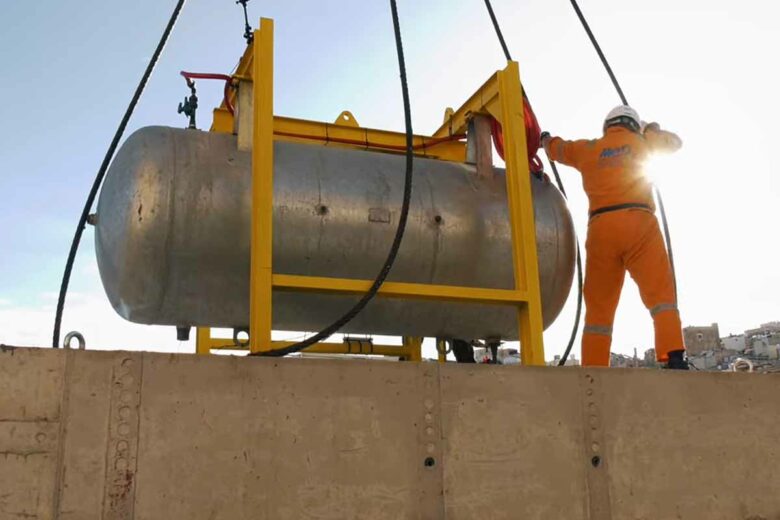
(649,358)
(773,327)
(571,361)
(623,361)
(734,342)
(763,348)
(701,339)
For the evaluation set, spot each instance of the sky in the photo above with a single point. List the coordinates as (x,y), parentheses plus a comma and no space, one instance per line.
(705,69)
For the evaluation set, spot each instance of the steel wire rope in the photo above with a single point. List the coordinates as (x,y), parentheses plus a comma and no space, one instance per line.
(74,246)
(623,99)
(407,195)
(578,316)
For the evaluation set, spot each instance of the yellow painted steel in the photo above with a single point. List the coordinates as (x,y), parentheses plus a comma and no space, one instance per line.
(483,101)
(500,96)
(521,215)
(203,343)
(414,345)
(355,137)
(349,136)
(449,293)
(441,350)
(223,121)
(355,346)
(262,190)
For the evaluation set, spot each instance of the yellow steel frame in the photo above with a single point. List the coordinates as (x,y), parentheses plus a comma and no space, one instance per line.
(410,349)
(500,97)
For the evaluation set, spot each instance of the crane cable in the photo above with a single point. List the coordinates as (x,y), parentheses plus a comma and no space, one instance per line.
(74,246)
(623,99)
(399,233)
(578,314)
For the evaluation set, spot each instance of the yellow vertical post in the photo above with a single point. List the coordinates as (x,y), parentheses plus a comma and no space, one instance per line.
(414,346)
(261,274)
(203,340)
(441,350)
(521,215)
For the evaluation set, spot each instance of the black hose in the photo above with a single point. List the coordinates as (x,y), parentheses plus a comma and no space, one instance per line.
(399,233)
(622,96)
(599,51)
(667,237)
(578,315)
(498,30)
(74,246)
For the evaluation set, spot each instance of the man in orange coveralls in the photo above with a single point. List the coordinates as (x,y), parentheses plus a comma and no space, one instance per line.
(623,233)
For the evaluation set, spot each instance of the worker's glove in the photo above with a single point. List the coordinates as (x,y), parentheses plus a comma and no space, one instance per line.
(655,127)
(545,138)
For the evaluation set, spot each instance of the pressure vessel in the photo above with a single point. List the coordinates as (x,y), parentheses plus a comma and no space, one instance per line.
(173,236)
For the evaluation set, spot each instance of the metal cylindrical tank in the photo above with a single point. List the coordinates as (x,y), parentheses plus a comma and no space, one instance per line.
(173,235)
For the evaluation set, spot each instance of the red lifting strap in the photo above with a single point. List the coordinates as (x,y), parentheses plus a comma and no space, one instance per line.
(532,133)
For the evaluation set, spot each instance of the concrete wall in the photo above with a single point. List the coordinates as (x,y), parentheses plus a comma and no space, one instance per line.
(118,435)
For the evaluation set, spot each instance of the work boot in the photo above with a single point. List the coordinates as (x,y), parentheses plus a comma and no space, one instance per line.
(677,361)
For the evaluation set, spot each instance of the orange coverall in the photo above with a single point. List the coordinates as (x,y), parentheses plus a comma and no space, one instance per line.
(622,240)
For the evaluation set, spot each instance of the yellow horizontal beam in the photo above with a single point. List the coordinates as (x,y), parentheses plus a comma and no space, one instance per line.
(315,132)
(483,101)
(289,129)
(351,347)
(400,290)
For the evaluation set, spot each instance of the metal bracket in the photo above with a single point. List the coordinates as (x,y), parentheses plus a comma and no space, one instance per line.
(479,146)
(346,119)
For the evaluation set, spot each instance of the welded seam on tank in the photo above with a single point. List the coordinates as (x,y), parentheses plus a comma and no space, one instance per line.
(437,226)
(556,285)
(166,257)
(318,175)
(62,433)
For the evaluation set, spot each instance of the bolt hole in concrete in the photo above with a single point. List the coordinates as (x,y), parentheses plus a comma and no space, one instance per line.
(596,461)
(322,210)
(429,462)
(438,219)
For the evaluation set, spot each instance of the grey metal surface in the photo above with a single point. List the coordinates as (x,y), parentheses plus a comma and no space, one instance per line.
(173,235)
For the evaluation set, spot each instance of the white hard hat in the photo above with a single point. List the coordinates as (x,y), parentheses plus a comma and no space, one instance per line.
(622,112)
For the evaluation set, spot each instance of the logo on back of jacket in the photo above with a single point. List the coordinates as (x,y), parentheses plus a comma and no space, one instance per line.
(613,157)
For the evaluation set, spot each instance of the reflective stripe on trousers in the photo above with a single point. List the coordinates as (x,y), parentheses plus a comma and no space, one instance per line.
(603,330)
(663,307)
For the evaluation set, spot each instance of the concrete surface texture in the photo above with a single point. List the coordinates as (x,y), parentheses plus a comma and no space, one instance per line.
(120,435)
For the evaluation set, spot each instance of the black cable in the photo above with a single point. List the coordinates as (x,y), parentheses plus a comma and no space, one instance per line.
(498,30)
(399,233)
(625,102)
(578,316)
(74,246)
(667,237)
(599,51)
